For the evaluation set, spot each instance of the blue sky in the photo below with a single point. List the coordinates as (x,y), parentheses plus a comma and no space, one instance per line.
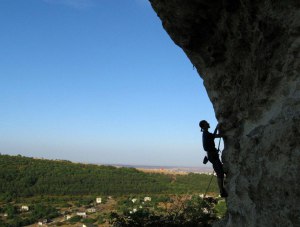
(97,81)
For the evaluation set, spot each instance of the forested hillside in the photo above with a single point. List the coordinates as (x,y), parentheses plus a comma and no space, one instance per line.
(25,177)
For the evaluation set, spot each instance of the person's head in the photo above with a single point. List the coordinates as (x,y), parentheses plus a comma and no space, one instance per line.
(204,125)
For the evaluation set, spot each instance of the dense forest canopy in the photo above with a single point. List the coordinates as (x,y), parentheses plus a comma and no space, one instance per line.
(25,177)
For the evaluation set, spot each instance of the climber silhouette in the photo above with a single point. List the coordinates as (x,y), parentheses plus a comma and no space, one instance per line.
(212,153)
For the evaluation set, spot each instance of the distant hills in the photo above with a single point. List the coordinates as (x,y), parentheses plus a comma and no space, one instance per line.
(25,177)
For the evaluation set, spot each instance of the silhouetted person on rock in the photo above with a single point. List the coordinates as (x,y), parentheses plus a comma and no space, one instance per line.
(212,153)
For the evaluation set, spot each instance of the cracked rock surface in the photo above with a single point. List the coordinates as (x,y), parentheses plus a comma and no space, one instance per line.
(248,54)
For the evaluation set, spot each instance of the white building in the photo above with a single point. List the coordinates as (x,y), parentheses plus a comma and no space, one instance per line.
(43,222)
(91,210)
(98,200)
(81,214)
(87,225)
(67,217)
(147,199)
(134,200)
(24,208)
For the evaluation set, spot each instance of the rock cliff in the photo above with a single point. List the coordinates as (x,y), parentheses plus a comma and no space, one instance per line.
(247,52)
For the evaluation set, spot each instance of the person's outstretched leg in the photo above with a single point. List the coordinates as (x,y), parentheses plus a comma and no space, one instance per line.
(218,167)
(223,192)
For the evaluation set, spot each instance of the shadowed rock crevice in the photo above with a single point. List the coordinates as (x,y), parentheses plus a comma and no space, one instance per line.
(247,53)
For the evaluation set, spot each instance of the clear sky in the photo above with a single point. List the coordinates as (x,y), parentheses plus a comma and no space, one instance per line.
(97,81)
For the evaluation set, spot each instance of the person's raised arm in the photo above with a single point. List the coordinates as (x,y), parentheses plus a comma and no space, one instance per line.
(217,135)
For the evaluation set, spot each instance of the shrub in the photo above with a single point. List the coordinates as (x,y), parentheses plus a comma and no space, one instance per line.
(89,220)
(182,212)
(75,219)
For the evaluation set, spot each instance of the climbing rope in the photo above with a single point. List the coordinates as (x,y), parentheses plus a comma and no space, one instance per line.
(212,175)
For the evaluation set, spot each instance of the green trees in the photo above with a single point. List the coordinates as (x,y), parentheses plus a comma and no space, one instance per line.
(41,210)
(11,211)
(26,177)
(184,212)
(45,185)
(37,211)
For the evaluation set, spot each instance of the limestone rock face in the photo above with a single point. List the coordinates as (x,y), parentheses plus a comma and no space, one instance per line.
(247,52)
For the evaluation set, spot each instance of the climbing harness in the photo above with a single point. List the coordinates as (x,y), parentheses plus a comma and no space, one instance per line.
(212,175)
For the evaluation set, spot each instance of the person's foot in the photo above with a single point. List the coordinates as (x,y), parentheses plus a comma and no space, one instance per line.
(224,194)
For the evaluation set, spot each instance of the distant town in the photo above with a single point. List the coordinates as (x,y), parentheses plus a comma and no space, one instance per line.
(149,168)
(169,169)
(154,169)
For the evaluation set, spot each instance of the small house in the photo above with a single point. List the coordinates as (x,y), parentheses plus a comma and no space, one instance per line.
(147,199)
(68,216)
(98,200)
(24,208)
(88,225)
(91,210)
(44,222)
(134,200)
(81,214)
